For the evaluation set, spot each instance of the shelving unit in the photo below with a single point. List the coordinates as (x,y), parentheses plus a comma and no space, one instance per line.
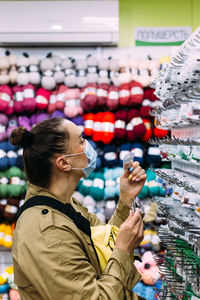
(178,88)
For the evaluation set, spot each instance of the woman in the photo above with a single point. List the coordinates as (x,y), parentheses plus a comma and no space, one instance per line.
(53,259)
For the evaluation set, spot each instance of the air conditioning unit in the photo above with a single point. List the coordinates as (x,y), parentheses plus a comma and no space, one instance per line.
(59,22)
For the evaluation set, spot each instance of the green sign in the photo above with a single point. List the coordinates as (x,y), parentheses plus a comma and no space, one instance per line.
(161,36)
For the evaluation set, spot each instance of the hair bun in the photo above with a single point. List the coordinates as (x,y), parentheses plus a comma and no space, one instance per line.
(21,137)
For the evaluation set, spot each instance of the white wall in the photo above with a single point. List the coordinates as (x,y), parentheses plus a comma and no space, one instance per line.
(81,52)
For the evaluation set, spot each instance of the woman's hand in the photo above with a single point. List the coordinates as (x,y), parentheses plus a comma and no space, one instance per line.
(131,232)
(131,184)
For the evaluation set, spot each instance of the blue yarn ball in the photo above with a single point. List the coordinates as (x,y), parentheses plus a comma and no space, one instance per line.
(117,172)
(4,162)
(11,147)
(110,155)
(108,173)
(138,151)
(153,157)
(4,288)
(124,149)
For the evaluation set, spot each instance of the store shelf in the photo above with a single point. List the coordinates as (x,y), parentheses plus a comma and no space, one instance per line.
(189,182)
(178,84)
(188,223)
(189,132)
(181,129)
(180,270)
(185,166)
(174,141)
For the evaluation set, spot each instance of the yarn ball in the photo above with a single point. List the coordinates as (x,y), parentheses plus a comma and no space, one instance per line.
(42,98)
(58,114)
(138,152)
(29,102)
(89,123)
(120,124)
(110,155)
(97,128)
(41,117)
(12,124)
(124,94)
(97,190)
(124,150)
(146,109)
(24,121)
(153,157)
(136,93)
(79,122)
(52,102)
(3,124)
(160,133)
(89,99)
(113,97)
(102,94)
(5,97)
(108,125)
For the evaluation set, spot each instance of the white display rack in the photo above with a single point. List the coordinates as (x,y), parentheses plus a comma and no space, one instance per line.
(186,166)
(191,233)
(189,182)
(190,132)
(178,87)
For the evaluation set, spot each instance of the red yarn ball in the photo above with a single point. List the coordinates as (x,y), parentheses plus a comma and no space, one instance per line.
(60,101)
(89,124)
(146,108)
(18,99)
(147,93)
(132,113)
(108,126)
(90,96)
(113,97)
(29,98)
(102,94)
(153,97)
(136,93)
(124,94)
(160,133)
(42,98)
(97,129)
(5,97)
(120,124)
(149,131)
(52,102)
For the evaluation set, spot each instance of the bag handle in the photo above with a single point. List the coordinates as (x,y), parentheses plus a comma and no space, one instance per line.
(67,209)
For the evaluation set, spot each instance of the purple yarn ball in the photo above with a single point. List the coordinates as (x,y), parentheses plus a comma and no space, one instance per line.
(58,114)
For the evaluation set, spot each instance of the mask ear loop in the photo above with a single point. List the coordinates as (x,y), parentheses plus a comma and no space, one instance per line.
(74,154)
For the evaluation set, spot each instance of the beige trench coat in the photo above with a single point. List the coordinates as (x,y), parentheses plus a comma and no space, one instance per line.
(54,260)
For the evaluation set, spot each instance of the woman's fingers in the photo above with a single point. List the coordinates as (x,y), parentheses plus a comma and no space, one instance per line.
(140,175)
(143,177)
(131,169)
(135,218)
(131,232)
(141,231)
(137,174)
(136,170)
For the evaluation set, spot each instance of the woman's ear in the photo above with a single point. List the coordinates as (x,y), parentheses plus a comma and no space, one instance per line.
(63,164)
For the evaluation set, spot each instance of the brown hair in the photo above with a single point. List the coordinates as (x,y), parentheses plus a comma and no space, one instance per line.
(40,144)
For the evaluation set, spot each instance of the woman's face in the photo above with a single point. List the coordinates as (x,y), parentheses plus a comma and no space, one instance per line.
(76,145)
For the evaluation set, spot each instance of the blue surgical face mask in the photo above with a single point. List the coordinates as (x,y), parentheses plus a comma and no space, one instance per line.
(91,156)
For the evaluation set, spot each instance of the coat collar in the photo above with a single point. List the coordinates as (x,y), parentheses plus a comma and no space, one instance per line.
(34,190)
